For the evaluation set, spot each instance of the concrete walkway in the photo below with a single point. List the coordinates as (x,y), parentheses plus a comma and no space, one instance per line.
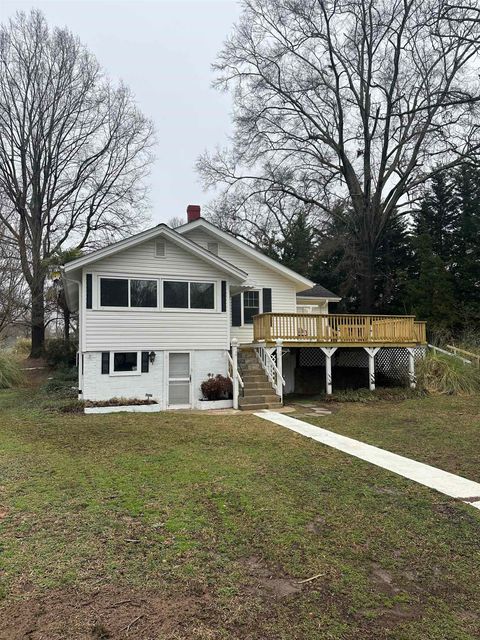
(447,483)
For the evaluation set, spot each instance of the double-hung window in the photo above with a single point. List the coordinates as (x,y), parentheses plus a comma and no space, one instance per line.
(251,306)
(128,292)
(178,294)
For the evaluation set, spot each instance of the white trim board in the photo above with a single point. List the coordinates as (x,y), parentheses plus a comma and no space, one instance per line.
(432,477)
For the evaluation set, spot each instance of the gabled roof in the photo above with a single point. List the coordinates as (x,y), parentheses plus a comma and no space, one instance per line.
(246,249)
(318,292)
(162,230)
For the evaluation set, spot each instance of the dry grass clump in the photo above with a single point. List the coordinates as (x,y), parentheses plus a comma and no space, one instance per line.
(441,374)
(11,375)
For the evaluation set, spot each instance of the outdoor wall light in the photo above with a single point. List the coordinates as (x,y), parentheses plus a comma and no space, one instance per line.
(151,356)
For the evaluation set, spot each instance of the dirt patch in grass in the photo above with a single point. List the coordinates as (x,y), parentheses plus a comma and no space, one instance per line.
(36,372)
(317,525)
(269,581)
(113,613)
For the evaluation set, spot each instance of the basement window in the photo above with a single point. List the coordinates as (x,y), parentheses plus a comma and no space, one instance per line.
(125,363)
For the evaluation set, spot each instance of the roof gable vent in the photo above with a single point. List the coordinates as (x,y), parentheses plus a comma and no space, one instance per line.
(160,249)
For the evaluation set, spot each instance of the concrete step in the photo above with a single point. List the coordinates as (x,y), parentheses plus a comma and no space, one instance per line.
(252,372)
(256,382)
(257,407)
(259,399)
(263,390)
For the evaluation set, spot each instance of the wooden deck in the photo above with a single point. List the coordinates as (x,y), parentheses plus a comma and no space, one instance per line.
(340,330)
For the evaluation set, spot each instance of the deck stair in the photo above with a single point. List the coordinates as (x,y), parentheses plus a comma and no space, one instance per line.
(258,392)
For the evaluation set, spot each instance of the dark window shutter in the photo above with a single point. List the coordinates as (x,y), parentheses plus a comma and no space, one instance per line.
(105,362)
(224,296)
(237,310)
(267,300)
(89,290)
(145,361)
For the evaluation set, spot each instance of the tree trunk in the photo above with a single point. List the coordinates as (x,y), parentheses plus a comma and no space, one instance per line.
(38,317)
(367,283)
(66,324)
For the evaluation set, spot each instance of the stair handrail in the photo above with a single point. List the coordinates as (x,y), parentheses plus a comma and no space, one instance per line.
(230,370)
(235,376)
(469,354)
(272,369)
(448,353)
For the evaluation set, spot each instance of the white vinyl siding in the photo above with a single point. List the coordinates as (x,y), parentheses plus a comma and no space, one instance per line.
(156,329)
(283,290)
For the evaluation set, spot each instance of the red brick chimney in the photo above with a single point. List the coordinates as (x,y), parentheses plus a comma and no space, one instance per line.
(193,212)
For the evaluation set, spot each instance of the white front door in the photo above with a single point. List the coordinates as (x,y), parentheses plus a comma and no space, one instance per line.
(179,380)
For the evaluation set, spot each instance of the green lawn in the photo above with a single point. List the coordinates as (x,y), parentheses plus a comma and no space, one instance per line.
(185,526)
(442,431)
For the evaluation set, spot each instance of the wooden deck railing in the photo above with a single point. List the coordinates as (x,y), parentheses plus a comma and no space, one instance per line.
(338,328)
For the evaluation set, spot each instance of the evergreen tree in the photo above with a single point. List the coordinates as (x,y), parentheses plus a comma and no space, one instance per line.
(296,249)
(338,263)
(430,292)
(437,215)
(466,242)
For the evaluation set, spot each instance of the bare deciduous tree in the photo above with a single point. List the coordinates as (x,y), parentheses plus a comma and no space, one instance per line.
(73,151)
(357,101)
(13,293)
(175,222)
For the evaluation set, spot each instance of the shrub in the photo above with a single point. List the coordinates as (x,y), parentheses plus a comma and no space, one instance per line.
(119,402)
(59,352)
(442,374)
(11,374)
(217,387)
(469,340)
(22,347)
(64,383)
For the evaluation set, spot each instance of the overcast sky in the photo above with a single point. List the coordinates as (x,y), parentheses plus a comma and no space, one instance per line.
(163,50)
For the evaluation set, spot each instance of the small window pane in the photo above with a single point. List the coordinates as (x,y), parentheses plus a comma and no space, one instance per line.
(143,293)
(175,295)
(213,247)
(125,361)
(202,295)
(251,306)
(113,292)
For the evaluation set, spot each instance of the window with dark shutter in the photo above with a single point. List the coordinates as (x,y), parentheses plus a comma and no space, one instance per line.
(224,296)
(145,361)
(105,362)
(237,310)
(251,306)
(89,290)
(267,300)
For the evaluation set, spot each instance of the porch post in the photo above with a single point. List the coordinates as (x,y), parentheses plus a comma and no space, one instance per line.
(235,372)
(279,385)
(328,351)
(411,368)
(372,352)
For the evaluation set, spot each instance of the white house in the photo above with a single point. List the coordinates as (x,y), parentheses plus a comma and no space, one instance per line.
(159,311)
